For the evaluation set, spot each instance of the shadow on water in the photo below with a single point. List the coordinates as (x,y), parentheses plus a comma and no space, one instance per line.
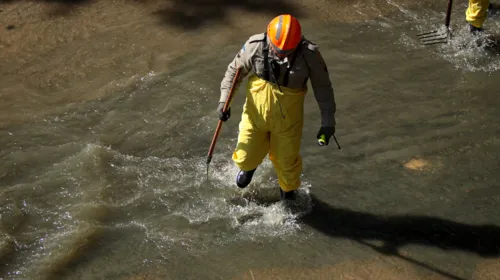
(490,44)
(63,7)
(51,1)
(398,231)
(192,14)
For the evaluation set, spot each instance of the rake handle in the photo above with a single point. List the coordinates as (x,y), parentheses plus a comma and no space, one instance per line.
(448,14)
(226,107)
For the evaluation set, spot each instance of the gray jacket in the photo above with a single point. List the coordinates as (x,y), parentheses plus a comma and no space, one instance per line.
(306,63)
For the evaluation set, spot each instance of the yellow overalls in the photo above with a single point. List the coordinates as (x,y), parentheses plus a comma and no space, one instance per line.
(272,122)
(476,12)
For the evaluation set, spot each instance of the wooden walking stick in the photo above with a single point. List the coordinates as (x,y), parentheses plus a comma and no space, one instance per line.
(219,124)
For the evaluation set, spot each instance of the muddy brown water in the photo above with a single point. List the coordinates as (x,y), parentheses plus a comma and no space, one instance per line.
(108,108)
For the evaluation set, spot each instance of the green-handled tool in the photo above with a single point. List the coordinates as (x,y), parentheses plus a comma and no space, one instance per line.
(322,140)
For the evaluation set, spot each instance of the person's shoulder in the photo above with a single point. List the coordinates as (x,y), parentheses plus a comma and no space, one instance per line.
(257,38)
(252,44)
(308,45)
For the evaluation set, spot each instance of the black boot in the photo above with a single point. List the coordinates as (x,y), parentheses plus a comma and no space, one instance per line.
(244,178)
(474,30)
(287,195)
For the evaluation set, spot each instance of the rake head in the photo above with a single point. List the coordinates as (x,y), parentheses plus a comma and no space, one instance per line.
(435,37)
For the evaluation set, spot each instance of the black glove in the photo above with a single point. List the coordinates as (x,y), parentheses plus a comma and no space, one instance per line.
(223,116)
(328,131)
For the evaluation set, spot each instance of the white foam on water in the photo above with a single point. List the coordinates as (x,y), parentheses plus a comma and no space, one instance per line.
(254,212)
(406,12)
(278,219)
(471,52)
(180,185)
(467,52)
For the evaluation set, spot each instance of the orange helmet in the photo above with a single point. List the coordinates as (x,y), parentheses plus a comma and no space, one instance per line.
(284,33)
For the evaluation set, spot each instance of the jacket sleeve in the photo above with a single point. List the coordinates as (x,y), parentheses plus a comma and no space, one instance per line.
(322,86)
(242,60)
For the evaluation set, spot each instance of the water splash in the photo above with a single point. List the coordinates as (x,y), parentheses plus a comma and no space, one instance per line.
(472,52)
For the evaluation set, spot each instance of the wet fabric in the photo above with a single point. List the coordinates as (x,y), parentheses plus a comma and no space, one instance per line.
(271,123)
(476,12)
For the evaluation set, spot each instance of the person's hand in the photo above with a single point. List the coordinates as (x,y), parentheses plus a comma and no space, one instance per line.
(328,132)
(223,116)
